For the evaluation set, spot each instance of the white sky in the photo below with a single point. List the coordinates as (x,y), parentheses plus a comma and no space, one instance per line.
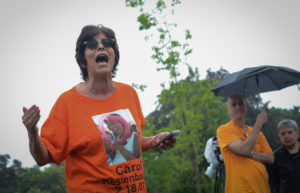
(38,46)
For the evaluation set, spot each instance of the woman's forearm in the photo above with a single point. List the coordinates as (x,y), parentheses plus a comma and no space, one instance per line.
(147,143)
(38,150)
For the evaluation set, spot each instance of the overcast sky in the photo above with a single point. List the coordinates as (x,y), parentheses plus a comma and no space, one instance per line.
(38,47)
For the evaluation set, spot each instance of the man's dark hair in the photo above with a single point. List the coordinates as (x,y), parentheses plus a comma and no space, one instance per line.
(88,32)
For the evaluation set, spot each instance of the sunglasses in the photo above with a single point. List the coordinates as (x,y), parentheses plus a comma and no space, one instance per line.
(93,44)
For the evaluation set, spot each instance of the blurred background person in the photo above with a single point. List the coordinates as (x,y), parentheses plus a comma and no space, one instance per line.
(244,150)
(285,172)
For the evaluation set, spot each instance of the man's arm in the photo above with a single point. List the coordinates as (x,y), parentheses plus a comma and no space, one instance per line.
(267,158)
(244,147)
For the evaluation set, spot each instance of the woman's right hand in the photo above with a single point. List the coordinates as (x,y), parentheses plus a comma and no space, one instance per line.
(30,118)
(37,149)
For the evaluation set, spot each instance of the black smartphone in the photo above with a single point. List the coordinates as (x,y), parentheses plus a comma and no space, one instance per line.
(172,133)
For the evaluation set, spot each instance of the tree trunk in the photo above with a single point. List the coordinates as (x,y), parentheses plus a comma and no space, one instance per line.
(194,159)
(195,166)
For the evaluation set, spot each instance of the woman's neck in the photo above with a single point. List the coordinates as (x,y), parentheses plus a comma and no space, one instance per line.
(100,88)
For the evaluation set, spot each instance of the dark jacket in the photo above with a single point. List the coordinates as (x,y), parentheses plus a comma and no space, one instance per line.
(284,174)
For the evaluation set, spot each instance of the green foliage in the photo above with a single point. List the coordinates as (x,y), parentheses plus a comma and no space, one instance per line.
(146,21)
(15,179)
(8,180)
(188,35)
(134,3)
(197,113)
(215,77)
(186,104)
(161,5)
(274,116)
(33,180)
(141,87)
(168,53)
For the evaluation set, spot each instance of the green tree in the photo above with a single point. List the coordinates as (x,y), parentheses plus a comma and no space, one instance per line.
(191,104)
(50,180)
(184,103)
(169,53)
(8,179)
(203,113)
(274,116)
(215,77)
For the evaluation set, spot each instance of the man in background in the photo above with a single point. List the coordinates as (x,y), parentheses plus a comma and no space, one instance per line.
(245,150)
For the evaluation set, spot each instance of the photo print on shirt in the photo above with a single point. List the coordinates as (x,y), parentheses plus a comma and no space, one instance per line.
(120,136)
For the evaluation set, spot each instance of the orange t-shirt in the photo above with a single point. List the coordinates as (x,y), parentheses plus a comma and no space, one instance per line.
(82,132)
(243,174)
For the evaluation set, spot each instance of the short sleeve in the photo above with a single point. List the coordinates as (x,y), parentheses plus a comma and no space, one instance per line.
(225,136)
(265,145)
(54,132)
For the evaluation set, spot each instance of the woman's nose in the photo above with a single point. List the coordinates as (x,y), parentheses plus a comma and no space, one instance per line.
(100,46)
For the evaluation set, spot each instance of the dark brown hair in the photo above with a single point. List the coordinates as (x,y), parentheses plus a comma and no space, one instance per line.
(88,32)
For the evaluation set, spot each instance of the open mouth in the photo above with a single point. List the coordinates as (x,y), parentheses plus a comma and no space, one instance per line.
(102,58)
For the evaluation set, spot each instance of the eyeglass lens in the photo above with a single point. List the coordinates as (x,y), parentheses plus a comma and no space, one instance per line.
(93,44)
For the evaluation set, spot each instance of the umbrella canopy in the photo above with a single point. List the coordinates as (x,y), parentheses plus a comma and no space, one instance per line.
(251,81)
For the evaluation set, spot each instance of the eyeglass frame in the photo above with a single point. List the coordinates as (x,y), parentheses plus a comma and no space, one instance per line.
(111,44)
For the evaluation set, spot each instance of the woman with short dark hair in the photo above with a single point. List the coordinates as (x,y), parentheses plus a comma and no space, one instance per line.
(89,125)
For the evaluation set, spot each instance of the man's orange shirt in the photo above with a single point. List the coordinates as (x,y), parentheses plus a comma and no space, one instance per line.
(71,134)
(243,174)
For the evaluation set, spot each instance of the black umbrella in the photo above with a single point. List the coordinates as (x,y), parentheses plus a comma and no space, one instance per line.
(251,81)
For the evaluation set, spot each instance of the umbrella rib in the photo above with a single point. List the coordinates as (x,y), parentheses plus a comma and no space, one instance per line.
(273,81)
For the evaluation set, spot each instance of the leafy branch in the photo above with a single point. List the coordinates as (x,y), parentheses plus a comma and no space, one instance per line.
(168,52)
